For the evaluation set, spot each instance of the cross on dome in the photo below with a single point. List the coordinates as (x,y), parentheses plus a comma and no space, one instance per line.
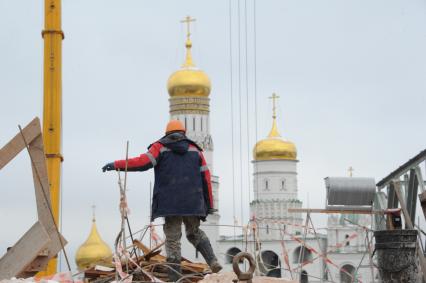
(94,212)
(351,171)
(274,147)
(274,98)
(274,131)
(189,81)
(188,44)
(188,21)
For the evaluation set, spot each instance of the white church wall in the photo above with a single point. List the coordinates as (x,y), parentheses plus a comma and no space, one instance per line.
(353,254)
(353,239)
(313,264)
(361,265)
(314,268)
(215,190)
(275,179)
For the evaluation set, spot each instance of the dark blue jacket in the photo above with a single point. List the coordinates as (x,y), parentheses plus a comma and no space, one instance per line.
(182,179)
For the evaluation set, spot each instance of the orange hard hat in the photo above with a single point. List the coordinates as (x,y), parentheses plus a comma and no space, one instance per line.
(174,126)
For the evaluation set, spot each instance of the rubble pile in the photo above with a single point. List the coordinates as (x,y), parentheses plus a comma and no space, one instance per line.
(149,267)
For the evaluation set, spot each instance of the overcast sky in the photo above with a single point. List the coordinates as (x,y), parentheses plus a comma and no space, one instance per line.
(350,74)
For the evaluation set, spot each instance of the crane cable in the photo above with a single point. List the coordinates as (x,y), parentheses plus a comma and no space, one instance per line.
(240,99)
(247,104)
(255,78)
(240,112)
(232,116)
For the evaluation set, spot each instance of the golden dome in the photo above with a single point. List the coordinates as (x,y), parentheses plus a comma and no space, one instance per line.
(274,146)
(189,80)
(93,251)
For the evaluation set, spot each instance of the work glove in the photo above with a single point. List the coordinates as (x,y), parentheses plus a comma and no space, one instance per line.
(108,167)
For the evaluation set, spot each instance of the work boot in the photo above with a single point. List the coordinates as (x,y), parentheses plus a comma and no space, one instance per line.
(206,251)
(174,271)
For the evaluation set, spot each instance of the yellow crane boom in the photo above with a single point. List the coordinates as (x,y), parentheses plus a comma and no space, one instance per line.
(52,107)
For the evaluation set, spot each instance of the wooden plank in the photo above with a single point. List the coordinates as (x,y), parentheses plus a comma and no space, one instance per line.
(146,250)
(420,178)
(397,189)
(151,254)
(186,264)
(413,186)
(155,251)
(341,211)
(41,186)
(33,136)
(24,251)
(41,181)
(141,246)
(194,267)
(16,145)
(392,199)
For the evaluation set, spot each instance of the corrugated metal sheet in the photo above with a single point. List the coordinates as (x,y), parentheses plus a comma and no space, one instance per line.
(350,191)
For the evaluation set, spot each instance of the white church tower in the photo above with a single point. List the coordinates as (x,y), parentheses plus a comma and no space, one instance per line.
(189,90)
(278,252)
(275,184)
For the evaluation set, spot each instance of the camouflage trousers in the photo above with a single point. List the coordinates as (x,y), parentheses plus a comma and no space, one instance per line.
(173,230)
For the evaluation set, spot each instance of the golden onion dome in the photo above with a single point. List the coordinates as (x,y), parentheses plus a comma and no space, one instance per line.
(94,251)
(274,147)
(189,80)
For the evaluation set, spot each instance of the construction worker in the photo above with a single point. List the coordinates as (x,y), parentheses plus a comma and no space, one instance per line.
(182,192)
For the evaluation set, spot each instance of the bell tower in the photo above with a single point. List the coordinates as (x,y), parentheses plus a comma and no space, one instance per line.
(275,183)
(189,97)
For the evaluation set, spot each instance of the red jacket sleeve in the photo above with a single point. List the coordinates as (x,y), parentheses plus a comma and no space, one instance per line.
(207,182)
(143,162)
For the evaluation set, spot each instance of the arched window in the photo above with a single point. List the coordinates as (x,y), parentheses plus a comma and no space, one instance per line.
(267,229)
(229,257)
(304,277)
(347,274)
(270,264)
(348,242)
(283,187)
(301,254)
(193,124)
(201,123)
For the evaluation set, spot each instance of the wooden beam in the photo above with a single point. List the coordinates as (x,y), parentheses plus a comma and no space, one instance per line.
(420,178)
(411,195)
(24,251)
(342,211)
(34,139)
(16,145)
(41,186)
(146,251)
(392,199)
(413,162)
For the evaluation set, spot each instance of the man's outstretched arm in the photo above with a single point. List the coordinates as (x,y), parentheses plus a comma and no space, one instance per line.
(141,163)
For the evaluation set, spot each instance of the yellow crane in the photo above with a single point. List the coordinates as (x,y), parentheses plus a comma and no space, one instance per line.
(52,107)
